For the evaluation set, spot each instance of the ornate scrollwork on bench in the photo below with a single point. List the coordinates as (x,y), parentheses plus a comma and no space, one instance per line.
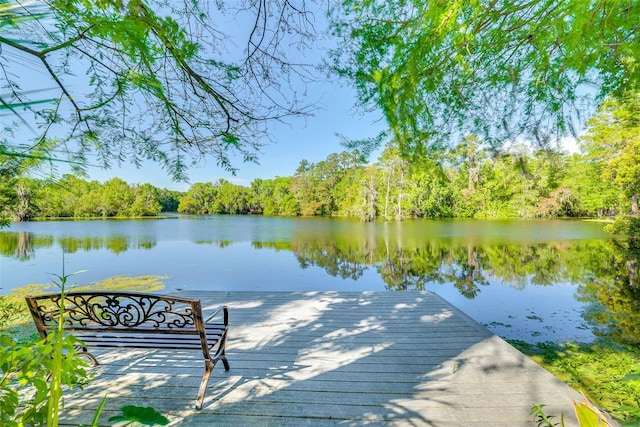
(118,311)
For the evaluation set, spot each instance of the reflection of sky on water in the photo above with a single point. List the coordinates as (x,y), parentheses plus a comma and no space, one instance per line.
(189,252)
(535,313)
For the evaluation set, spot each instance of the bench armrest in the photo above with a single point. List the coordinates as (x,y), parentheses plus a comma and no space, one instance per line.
(219,310)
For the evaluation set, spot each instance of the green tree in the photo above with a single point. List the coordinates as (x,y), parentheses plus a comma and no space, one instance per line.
(394,170)
(116,198)
(596,197)
(86,198)
(509,190)
(231,198)
(359,194)
(442,68)
(52,200)
(18,196)
(164,81)
(548,170)
(303,187)
(274,197)
(613,139)
(429,190)
(198,199)
(169,200)
(15,192)
(466,161)
(145,201)
(7,198)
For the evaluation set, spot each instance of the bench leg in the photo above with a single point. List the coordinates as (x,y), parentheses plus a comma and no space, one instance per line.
(222,356)
(84,352)
(208,367)
(225,362)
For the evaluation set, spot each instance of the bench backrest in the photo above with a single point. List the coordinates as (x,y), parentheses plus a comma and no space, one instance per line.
(117,311)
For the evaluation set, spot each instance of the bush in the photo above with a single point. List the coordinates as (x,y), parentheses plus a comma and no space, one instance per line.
(25,368)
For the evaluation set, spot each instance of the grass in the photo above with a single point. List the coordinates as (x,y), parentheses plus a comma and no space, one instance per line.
(608,374)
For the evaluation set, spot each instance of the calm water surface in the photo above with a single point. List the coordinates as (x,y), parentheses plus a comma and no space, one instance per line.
(531,280)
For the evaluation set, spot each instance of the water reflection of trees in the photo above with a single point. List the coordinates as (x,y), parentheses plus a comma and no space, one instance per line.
(614,298)
(23,245)
(466,265)
(347,263)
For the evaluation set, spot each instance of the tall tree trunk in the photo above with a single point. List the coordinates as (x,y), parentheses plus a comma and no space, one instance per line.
(23,211)
(401,187)
(634,204)
(369,194)
(386,200)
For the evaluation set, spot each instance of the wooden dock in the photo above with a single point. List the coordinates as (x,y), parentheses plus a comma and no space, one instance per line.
(334,358)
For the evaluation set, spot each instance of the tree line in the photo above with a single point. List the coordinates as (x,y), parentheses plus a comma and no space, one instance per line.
(469,183)
(24,199)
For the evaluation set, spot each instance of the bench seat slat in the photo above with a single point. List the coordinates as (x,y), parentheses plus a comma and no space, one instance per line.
(132,336)
(143,344)
(137,340)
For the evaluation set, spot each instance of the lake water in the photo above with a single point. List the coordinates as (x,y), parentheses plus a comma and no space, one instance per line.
(531,280)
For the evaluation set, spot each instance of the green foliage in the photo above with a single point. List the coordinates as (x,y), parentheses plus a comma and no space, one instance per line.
(613,140)
(273,197)
(25,367)
(542,419)
(440,69)
(470,182)
(76,198)
(604,372)
(595,196)
(222,197)
(33,375)
(587,415)
(137,415)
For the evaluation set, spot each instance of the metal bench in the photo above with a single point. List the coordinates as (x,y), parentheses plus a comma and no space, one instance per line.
(136,320)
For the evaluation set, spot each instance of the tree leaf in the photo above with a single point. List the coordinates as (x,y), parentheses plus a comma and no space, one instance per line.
(145,415)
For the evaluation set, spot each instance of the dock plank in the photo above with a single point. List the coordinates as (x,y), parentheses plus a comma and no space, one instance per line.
(333,358)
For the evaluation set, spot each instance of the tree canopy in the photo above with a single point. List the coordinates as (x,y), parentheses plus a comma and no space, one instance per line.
(173,82)
(441,69)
